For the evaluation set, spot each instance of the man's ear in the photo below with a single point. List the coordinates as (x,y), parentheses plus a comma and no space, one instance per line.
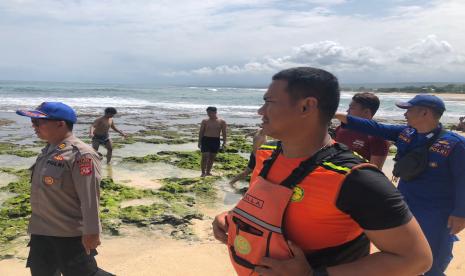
(309,104)
(367,113)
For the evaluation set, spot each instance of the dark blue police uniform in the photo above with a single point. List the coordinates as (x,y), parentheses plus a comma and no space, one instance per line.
(438,192)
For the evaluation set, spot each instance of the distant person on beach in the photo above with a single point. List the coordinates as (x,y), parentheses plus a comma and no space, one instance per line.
(64,225)
(372,148)
(460,126)
(209,139)
(259,138)
(329,202)
(99,132)
(429,162)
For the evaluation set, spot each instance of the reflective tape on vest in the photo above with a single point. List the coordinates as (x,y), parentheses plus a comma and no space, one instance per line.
(336,167)
(258,221)
(268,147)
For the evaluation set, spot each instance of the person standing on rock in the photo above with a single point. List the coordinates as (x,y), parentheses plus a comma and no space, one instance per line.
(209,139)
(99,132)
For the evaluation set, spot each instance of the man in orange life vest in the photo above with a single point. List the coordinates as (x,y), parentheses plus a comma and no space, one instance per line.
(335,206)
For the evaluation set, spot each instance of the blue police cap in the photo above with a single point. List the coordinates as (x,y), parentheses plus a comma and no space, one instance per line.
(424,100)
(52,111)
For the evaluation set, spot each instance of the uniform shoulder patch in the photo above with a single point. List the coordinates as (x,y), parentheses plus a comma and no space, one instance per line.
(85,165)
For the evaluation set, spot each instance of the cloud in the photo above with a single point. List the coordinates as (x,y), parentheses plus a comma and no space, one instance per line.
(427,54)
(428,49)
(154,41)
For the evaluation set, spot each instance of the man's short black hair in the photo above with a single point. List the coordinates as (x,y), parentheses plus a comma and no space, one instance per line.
(211,108)
(367,100)
(110,110)
(69,125)
(303,82)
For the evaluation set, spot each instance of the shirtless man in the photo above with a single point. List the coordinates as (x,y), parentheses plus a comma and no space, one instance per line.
(99,132)
(460,126)
(209,139)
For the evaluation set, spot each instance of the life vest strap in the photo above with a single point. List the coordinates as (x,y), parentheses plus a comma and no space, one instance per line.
(305,167)
(243,262)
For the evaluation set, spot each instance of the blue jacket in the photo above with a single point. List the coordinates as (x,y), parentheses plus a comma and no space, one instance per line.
(441,186)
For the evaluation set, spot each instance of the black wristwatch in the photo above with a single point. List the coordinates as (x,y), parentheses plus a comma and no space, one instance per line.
(321,271)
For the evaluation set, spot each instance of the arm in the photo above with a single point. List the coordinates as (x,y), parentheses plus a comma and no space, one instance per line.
(241,175)
(456,160)
(86,179)
(378,160)
(403,251)
(91,130)
(223,131)
(379,150)
(201,131)
(370,127)
(117,130)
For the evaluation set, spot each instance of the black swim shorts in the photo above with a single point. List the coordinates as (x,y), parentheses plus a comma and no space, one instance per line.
(101,139)
(210,144)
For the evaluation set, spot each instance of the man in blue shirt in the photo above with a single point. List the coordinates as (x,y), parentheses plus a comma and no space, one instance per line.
(436,196)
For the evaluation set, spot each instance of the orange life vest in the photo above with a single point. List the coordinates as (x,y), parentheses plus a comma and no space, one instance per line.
(255,225)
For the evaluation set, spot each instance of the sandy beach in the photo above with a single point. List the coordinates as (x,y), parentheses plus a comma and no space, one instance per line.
(141,252)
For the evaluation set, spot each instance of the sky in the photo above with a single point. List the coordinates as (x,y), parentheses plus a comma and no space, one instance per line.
(231,42)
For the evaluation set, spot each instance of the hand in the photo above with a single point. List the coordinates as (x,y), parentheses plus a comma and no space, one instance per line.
(90,242)
(91,135)
(220,227)
(341,117)
(297,265)
(456,224)
(199,146)
(125,135)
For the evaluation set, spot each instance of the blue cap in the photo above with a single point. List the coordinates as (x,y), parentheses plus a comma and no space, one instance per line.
(51,110)
(424,100)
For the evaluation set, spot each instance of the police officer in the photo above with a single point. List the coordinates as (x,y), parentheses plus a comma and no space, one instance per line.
(436,194)
(64,225)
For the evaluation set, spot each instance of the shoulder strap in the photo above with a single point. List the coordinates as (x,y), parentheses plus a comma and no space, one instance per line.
(305,167)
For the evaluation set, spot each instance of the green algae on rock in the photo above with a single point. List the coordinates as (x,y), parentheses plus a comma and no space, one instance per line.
(13,149)
(15,211)
(145,159)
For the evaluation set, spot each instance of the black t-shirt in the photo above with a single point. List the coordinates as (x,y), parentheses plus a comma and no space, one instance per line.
(375,204)
(372,200)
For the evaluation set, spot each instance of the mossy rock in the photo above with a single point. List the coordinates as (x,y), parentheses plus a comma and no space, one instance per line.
(6,122)
(13,149)
(145,159)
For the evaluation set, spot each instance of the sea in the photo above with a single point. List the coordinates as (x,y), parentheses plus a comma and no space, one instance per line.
(138,106)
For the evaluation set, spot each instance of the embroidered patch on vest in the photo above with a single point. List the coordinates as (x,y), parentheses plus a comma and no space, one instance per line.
(433,164)
(242,245)
(441,148)
(49,180)
(405,138)
(297,194)
(62,146)
(85,166)
(58,157)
